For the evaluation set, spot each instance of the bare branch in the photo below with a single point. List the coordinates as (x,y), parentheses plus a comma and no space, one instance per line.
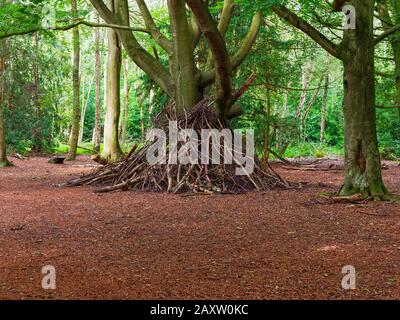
(386,34)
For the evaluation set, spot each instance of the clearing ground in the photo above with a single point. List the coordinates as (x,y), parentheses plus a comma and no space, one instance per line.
(274,245)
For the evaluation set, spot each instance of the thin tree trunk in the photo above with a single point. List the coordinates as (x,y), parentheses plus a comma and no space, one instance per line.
(3,156)
(112,150)
(323,110)
(267,138)
(37,141)
(83,111)
(124,122)
(306,75)
(308,109)
(285,101)
(73,144)
(141,115)
(97,120)
(85,101)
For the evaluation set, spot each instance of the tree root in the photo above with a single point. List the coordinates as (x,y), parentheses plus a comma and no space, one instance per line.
(358,198)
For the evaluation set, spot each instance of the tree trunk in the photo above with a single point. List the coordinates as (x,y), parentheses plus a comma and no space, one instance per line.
(363,166)
(85,101)
(303,119)
(3,156)
(97,121)
(362,159)
(124,123)
(183,68)
(142,128)
(112,150)
(73,144)
(37,139)
(323,110)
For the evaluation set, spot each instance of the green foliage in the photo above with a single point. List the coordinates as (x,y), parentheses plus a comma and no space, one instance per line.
(279,58)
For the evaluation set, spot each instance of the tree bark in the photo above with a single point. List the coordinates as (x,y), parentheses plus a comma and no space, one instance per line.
(323,110)
(124,122)
(141,111)
(112,150)
(3,156)
(183,68)
(73,144)
(97,120)
(363,166)
(362,159)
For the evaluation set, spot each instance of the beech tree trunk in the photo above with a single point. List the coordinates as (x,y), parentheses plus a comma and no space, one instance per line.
(3,156)
(112,150)
(362,159)
(363,165)
(183,66)
(73,144)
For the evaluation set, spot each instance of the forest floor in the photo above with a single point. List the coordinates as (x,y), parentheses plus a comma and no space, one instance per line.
(273,245)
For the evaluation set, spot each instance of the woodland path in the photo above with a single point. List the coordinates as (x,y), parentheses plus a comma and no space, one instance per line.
(275,245)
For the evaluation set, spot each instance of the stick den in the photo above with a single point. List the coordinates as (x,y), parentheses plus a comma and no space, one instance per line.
(187,146)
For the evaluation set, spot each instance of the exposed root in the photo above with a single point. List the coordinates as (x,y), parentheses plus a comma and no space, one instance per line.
(135,173)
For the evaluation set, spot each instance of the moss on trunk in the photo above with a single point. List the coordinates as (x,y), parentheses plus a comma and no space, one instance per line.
(363,165)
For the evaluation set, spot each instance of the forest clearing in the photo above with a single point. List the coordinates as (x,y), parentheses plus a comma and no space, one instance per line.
(151,246)
(199,149)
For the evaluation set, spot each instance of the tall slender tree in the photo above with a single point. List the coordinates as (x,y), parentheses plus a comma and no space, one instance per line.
(111,149)
(127,87)
(3,56)
(73,144)
(97,121)
(323,109)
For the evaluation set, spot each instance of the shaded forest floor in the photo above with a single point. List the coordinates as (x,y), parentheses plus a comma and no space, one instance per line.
(275,245)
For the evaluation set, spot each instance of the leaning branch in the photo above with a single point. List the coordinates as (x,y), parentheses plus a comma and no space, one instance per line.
(71,26)
(156,34)
(226,16)
(308,29)
(386,34)
(248,41)
(219,51)
(208,77)
(136,52)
